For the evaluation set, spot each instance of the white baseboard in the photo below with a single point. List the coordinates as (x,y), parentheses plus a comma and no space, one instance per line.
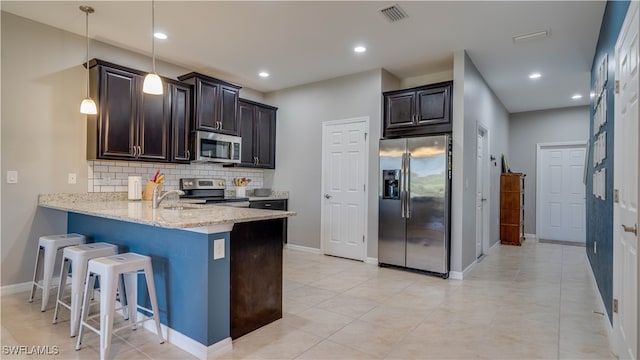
(371,260)
(530,236)
(457,275)
(26,286)
(605,318)
(16,288)
(189,345)
(494,246)
(302,248)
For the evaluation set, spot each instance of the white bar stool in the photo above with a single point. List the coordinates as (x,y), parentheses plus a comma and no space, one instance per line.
(78,256)
(48,247)
(109,270)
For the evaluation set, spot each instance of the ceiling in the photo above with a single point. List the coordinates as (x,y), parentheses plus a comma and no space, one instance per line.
(308,41)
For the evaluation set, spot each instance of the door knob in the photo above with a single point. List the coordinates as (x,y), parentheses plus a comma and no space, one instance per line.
(327,196)
(630,229)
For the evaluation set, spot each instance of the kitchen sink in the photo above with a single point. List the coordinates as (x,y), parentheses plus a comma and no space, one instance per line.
(181,207)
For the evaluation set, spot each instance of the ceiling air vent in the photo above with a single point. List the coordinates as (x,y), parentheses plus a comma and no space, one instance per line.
(393,13)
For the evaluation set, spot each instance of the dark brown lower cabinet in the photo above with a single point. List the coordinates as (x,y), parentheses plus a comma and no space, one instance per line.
(256,275)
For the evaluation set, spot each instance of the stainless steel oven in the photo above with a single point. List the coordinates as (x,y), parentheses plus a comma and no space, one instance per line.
(213,147)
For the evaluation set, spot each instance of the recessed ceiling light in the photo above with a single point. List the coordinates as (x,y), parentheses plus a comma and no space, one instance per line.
(264,74)
(359,49)
(535,76)
(576,97)
(161,36)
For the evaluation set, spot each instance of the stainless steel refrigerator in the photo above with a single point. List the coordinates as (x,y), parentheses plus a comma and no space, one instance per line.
(414,203)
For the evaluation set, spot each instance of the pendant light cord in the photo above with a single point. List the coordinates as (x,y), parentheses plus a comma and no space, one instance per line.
(153,40)
(87,36)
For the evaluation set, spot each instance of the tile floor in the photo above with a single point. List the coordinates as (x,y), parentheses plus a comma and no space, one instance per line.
(531,302)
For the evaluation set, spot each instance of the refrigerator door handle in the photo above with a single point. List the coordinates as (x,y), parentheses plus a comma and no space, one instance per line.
(408,186)
(402,188)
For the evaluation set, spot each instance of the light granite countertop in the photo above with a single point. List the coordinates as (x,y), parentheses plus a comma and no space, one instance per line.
(174,215)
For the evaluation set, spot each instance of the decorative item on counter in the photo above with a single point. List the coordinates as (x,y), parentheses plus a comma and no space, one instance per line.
(241,186)
(157,180)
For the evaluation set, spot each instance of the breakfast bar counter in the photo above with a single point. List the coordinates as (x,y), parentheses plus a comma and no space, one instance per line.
(191,252)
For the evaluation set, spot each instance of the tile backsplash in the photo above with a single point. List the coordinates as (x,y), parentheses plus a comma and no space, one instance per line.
(112,176)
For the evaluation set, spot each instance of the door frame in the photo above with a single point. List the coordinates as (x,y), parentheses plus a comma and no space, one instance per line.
(539,148)
(486,187)
(365,207)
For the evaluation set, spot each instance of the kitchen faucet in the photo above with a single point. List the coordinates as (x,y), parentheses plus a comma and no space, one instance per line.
(155,200)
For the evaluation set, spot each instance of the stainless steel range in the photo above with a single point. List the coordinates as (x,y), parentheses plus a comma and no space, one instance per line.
(209,191)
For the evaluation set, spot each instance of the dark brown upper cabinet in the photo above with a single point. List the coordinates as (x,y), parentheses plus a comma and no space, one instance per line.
(215,104)
(418,111)
(132,125)
(258,132)
(180,122)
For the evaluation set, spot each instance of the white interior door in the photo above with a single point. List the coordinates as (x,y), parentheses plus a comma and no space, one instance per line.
(561,213)
(625,207)
(480,196)
(344,183)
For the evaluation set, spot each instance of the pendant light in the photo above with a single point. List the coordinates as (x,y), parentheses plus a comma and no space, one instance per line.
(88,106)
(152,82)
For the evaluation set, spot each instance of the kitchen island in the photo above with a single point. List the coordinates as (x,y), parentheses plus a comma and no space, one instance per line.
(191,255)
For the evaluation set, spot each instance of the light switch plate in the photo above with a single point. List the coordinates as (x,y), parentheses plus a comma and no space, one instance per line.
(218,249)
(12,177)
(72,178)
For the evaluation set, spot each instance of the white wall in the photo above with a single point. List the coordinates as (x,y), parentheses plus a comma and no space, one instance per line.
(473,103)
(526,130)
(301,112)
(43,132)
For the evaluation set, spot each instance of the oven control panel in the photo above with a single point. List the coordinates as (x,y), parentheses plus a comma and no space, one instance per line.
(202,184)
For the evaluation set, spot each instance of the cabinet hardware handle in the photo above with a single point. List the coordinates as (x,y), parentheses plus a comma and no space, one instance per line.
(139,150)
(188,154)
(133,151)
(327,196)
(630,229)
(267,205)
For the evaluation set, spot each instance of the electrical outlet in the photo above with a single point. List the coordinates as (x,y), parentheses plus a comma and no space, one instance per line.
(218,249)
(12,177)
(595,247)
(72,178)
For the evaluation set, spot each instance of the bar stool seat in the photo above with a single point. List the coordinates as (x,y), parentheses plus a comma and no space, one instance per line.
(48,247)
(109,269)
(78,257)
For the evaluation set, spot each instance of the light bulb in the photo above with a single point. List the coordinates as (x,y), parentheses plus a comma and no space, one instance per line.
(88,106)
(152,84)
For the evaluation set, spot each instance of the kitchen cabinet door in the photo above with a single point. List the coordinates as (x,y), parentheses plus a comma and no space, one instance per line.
(153,126)
(180,122)
(246,113)
(433,106)
(228,110)
(265,137)
(206,105)
(399,110)
(117,114)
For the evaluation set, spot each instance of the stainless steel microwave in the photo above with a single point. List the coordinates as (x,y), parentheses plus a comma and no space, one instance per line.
(214,147)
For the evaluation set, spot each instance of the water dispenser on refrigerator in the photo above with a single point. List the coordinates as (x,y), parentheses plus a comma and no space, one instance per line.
(391,181)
